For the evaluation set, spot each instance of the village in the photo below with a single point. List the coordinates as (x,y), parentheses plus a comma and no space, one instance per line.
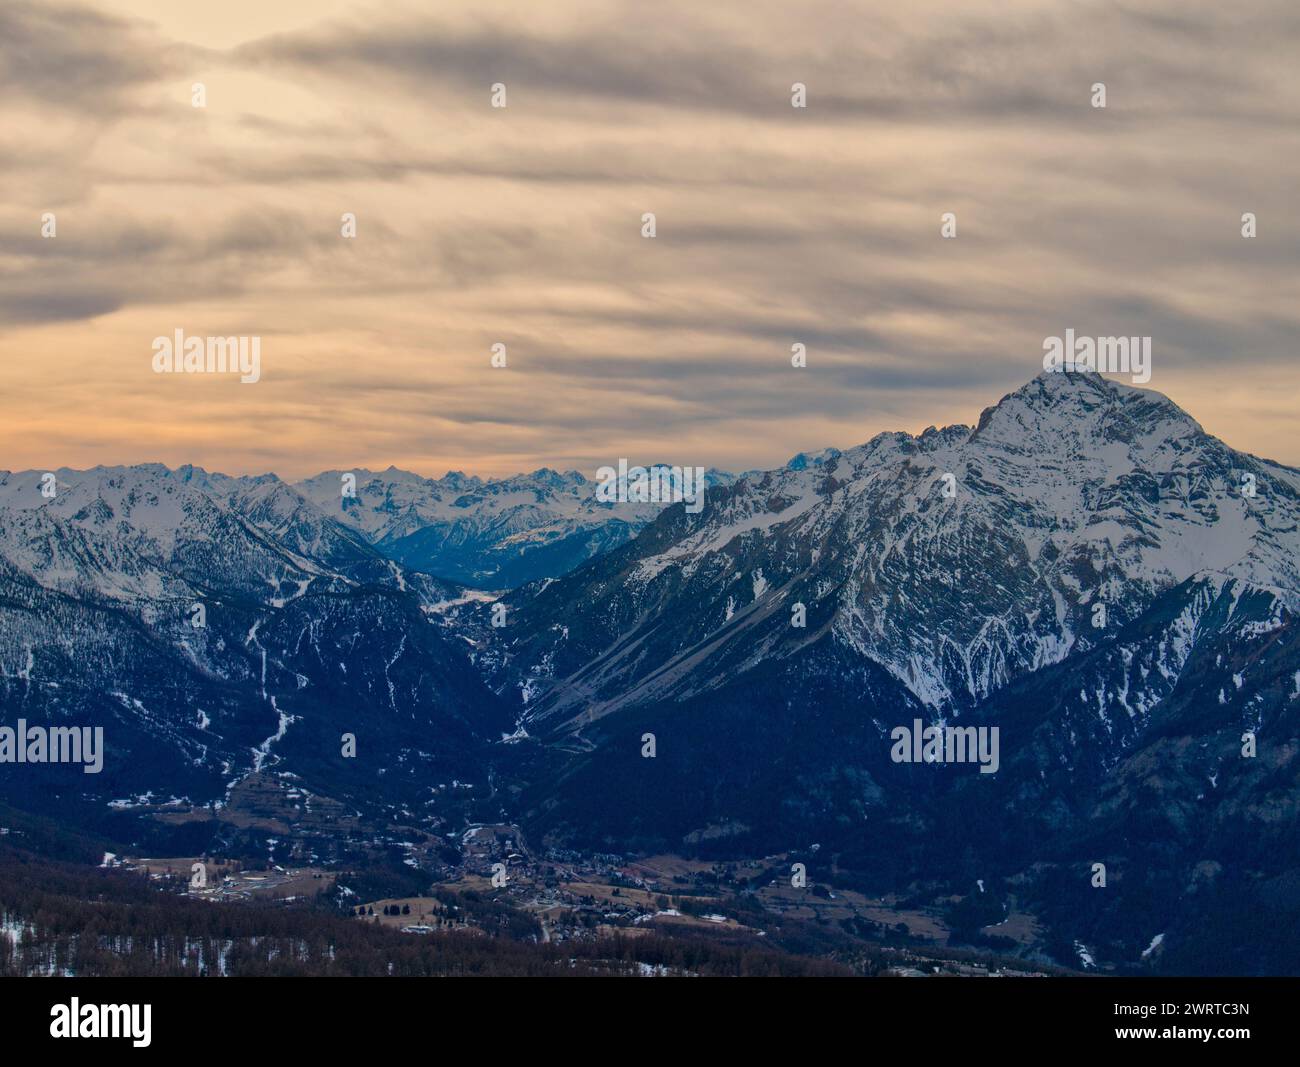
(579,896)
(488,880)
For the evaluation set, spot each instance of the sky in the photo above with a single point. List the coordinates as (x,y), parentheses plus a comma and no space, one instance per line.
(522,225)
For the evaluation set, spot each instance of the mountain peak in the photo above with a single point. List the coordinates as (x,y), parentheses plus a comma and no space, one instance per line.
(1081,407)
(803,460)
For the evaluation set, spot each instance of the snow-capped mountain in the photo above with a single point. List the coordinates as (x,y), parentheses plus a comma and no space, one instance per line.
(958,560)
(1085,569)
(494,534)
(215,627)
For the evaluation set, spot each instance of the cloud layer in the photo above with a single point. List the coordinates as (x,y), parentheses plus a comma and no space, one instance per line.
(522,225)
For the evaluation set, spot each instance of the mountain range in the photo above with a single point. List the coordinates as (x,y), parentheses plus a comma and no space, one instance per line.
(1085,569)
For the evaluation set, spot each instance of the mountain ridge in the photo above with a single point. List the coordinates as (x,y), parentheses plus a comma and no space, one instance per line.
(1085,570)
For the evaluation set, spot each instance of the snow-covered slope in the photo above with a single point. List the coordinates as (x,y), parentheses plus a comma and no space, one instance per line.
(958,560)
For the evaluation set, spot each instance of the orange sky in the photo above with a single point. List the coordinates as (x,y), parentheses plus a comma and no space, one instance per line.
(522,225)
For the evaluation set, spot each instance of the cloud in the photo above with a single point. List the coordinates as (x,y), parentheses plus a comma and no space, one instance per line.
(75,57)
(997,61)
(522,225)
